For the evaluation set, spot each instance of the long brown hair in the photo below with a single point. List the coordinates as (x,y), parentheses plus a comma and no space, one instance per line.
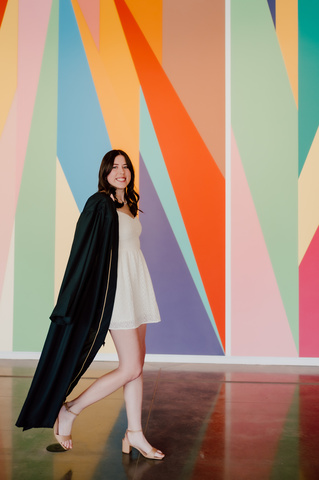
(131,196)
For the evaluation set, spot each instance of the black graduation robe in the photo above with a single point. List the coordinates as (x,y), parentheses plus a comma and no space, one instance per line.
(81,317)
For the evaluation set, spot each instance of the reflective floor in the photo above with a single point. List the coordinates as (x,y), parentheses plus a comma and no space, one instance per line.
(212,421)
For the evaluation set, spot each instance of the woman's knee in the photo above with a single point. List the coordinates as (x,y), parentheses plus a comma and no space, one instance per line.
(131,352)
(137,370)
(132,371)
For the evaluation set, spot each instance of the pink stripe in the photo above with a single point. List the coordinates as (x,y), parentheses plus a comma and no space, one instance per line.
(91,12)
(259,324)
(33,24)
(252,407)
(309,300)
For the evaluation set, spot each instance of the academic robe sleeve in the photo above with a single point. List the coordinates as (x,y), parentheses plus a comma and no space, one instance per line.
(81,317)
(94,222)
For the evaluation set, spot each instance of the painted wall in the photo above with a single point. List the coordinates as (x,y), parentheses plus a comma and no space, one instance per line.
(274,178)
(227,199)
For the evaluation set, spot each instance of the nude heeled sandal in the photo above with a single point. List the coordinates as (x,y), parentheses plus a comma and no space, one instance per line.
(127,447)
(62,438)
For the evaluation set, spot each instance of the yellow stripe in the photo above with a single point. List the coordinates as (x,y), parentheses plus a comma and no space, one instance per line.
(8,59)
(287,32)
(115,79)
(308,198)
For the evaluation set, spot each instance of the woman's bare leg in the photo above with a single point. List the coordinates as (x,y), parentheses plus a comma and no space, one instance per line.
(133,395)
(131,358)
(130,346)
(133,391)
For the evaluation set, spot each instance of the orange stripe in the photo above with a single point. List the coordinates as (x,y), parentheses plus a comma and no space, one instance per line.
(198,183)
(149,15)
(3,4)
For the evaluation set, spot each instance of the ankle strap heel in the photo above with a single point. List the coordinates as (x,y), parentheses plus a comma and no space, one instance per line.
(69,410)
(153,454)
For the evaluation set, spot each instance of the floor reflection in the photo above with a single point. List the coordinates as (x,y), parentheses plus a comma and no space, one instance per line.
(213,422)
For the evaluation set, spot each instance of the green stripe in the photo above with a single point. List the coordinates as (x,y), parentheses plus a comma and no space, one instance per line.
(35,216)
(265,124)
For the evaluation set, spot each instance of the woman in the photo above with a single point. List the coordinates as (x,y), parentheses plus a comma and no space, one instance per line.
(106,286)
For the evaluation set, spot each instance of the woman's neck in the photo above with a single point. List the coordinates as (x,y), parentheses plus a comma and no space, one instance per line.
(120,195)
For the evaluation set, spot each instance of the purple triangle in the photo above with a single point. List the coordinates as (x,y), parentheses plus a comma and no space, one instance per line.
(185,328)
(272,8)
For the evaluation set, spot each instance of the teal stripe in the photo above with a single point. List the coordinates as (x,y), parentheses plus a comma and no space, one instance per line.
(35,216)
(155,164)
(265,124)
(308,75)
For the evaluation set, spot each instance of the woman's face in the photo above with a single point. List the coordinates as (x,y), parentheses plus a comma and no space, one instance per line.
(120,175)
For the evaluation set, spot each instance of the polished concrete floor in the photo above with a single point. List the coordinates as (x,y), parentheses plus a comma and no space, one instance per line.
(212,421)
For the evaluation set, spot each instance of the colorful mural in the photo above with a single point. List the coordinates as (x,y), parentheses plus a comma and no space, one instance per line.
(85,77)
(274,178)
(80,77)
(264,176)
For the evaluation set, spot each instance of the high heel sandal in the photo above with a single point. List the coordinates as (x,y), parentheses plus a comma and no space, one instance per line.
(62,438)
(127,447)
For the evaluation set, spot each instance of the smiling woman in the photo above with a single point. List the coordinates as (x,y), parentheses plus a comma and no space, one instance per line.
(116,178)
(106,286)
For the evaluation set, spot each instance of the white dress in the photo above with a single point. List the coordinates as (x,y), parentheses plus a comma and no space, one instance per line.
(135,301)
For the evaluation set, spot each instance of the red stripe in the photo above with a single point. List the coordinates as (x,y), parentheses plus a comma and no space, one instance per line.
(198,183)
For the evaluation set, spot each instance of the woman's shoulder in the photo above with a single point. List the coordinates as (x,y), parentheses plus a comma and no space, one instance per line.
(99,201)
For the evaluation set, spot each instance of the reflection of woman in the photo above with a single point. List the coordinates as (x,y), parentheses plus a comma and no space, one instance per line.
(106,285)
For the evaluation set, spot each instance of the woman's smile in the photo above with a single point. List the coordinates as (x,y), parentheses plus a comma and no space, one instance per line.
(120,175)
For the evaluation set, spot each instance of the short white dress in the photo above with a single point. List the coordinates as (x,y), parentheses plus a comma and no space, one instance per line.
(135,301)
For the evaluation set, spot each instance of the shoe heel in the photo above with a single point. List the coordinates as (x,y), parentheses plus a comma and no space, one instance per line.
(126,447)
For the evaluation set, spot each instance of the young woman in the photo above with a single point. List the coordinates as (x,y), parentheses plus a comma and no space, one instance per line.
(106,286)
